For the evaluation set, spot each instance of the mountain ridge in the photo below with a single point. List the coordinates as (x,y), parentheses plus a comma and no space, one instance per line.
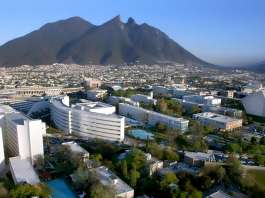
(74,40)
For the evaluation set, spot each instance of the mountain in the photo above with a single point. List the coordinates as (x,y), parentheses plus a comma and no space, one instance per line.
(76,41)
(258,67)
(41,46)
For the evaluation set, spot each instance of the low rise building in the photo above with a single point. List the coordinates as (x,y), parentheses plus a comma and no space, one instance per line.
(96,94)
(90,83)
(152,118)
(161,91)
(227,93)
(108,178)
(219,194)
(218,121)
(204,100)
(22,171)
(153,164)
(77,149)
(236,113)
(144,99)
(198,158)
(115,100)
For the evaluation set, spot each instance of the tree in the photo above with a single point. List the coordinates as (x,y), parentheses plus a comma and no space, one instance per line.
(162,106)
(170,155)
(136,159)
(81,177)
(169,178)
(262,141)
(3,191)
(182,142)
(253,140)
(161,127)
(220,173)
(205,182)
(124,168)
(260,159)
(196,194)
(134,176)
(27,190)
(65,160)
(234,148)
(216,173)
(155,150)
(97,190)
(96,157)
(234,168)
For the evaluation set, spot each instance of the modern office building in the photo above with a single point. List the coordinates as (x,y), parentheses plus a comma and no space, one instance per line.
(254,104)
(218,121)
(151,117)
(108,178)
(23,136)
(204,100)
(144,99)
(89,119)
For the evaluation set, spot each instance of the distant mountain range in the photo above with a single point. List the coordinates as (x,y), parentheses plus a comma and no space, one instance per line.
(75,40)
(258,67)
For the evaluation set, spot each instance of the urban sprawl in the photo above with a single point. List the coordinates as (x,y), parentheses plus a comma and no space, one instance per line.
(132,131)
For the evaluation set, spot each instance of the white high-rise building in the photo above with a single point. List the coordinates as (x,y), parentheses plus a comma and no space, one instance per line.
(23,136)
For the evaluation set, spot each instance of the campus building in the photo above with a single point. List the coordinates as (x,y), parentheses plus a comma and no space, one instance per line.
(87,119)
(218,121)
(151,117)
(23,136)
(108,178)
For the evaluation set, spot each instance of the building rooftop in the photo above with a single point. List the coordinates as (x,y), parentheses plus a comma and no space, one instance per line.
(87,106)
(92,105)
(23,171)
(216,117)
(219,194)
(156,113)
(106,177)
(6,109)
(75,147)
(199,155)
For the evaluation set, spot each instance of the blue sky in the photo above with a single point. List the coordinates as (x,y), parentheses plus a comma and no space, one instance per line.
(227,32)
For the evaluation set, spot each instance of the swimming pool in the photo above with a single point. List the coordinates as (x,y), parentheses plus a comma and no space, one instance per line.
(60,189)
(141,134)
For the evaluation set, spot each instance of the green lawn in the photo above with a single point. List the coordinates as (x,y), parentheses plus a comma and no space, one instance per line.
(257,176)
